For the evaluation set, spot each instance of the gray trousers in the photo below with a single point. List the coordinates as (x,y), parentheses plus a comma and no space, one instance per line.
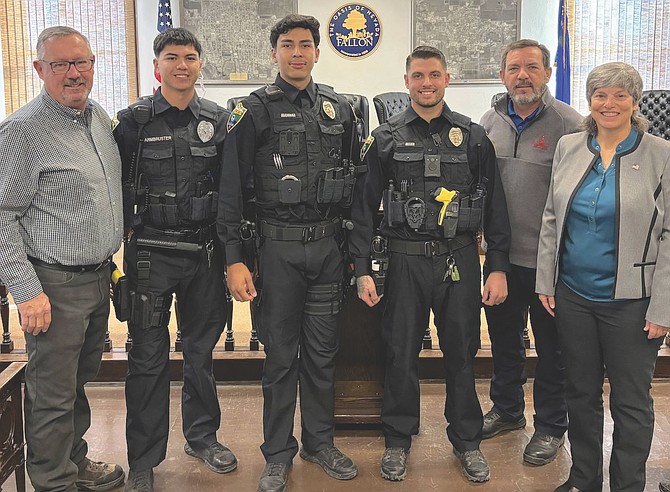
(60,362)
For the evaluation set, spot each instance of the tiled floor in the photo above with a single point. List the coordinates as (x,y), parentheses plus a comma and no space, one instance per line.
(432,465)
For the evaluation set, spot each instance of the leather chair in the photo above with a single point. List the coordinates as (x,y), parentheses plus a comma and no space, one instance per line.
(362,112)
(497,97)
(655,106)
(389,103)
(232,102)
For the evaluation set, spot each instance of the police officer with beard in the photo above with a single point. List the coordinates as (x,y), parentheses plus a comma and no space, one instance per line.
(437,174)
(171,146)
(290,147)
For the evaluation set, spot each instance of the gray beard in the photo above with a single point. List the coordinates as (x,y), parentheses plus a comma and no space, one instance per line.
(534,96)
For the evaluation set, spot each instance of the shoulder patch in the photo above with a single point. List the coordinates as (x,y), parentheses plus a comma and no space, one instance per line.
(236,116)
(366,146)
(115,121)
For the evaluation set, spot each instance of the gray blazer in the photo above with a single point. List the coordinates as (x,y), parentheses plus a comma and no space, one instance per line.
(643,219)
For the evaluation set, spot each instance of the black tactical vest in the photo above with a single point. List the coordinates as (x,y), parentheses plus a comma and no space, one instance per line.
(177,175)
(420,165)
(298,172)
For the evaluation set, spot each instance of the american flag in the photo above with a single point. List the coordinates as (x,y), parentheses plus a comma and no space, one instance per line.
(164,22)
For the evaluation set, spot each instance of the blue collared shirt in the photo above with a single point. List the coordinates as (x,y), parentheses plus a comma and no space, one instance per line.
(588,263)
(518,121)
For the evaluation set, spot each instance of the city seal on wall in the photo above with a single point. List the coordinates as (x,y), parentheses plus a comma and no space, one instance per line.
(354,31)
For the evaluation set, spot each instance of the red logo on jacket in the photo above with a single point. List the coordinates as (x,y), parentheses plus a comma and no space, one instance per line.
(540,143)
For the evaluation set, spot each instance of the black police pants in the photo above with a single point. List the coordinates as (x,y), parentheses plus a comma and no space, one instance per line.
(202,314)
(299,347)
(413,287)
(506,323)
(599,337)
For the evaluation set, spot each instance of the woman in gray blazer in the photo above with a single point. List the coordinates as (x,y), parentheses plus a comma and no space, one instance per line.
(603,270)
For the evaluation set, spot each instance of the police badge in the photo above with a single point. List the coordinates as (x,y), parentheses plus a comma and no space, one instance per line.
(456,136)
(329,109)
(205,131)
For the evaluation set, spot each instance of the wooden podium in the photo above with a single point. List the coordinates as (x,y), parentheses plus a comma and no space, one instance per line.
(359,365)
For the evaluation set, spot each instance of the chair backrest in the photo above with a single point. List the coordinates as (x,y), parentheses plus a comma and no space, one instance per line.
(497,97)
(362,111)
(655,106)
(232,102)
(389,103)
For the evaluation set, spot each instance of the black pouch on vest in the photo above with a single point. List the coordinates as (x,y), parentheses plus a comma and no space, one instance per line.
(394,214)
(289,143)
(330,188)
(431,166)
(450,223)
(289,190)
(202,208)
(348,191)
(163,215)
(470,215)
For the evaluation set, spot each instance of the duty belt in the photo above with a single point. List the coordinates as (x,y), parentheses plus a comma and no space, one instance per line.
(305,234)
(200,235)
(429,248)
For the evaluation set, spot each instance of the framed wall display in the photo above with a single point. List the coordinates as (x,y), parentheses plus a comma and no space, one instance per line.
(236,48)
(470,33)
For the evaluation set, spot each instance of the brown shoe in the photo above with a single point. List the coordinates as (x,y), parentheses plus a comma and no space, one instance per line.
(96,475)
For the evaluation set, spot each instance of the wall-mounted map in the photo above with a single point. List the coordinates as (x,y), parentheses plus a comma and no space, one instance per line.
(470,33)
(235,37)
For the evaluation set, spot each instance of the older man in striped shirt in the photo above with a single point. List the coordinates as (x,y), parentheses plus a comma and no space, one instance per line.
(60,222)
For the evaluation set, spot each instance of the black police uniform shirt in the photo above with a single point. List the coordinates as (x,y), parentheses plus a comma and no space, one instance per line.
(249,131)
(181,153)
(379,152)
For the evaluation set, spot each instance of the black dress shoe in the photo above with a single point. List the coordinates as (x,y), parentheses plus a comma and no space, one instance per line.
(274,477)
(494,424)
(664,486)
(217,457)
(542,448)
(394,464)
(475,466)
(333,461)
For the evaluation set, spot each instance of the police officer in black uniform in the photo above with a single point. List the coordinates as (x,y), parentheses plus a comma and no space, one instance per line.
(437,173)
(171,145)
(290,147)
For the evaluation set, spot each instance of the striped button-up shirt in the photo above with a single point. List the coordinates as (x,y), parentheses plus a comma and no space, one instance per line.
(60,190)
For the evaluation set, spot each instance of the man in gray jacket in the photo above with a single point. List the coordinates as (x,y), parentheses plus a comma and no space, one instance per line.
(525,127)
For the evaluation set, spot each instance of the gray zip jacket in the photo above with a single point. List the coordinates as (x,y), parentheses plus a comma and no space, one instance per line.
(524,160)
(642,198)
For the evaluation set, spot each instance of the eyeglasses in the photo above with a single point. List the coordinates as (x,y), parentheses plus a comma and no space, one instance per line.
(61,67)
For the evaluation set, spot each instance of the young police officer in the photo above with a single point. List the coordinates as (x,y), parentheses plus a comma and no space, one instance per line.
(438,168)
(291,145)
(171,146)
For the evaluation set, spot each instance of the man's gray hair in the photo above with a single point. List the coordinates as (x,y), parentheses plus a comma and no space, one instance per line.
(525,43)
(615,74)
(57,32)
